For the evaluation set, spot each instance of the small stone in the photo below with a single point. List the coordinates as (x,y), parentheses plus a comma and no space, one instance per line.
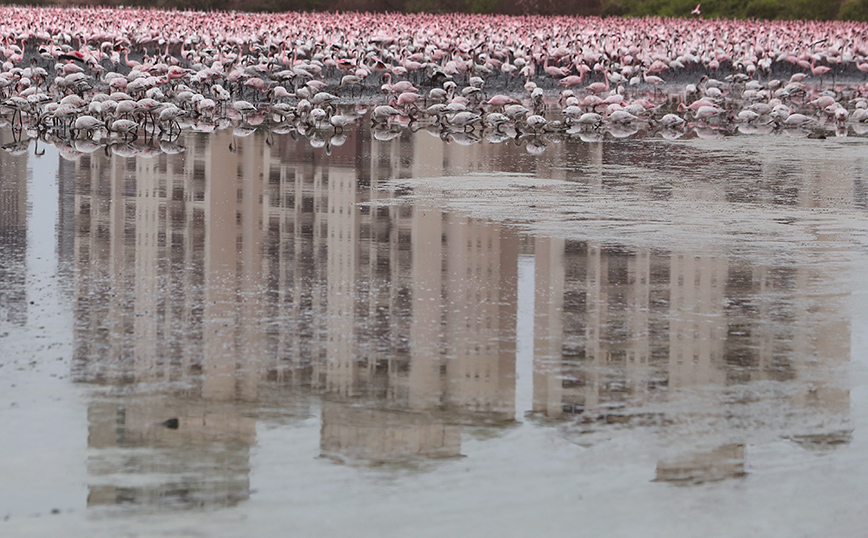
(172,423)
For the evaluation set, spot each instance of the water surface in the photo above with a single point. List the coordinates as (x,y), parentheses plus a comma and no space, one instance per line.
(415,336)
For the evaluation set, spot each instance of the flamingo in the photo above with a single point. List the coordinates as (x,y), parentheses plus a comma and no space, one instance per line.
(398,87)
(463,119)
(571,80)
(599,87)
(123,127)
(350,81)
(653,80)
(339,121)
(244,108)
(384,113)
(819,70)
(501,101)
(314,51)
(88,124)
(554,71)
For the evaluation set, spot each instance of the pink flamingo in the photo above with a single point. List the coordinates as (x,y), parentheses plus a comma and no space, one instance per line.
(554,71)
(819,70)
(599,87)
(571,80)
(398,87)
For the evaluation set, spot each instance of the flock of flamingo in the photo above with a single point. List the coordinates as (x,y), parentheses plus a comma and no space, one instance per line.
(121,78)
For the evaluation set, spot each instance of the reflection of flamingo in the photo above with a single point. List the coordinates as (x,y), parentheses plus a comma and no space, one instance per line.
(36,150)
(239,132)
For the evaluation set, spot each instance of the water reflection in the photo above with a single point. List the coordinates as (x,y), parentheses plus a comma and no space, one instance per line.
(247,281)
(198,457)
(716,350)
(13,234)
(620,325)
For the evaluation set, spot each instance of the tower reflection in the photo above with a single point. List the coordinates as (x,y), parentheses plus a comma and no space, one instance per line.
(693,342)
(218,287)
(13,234)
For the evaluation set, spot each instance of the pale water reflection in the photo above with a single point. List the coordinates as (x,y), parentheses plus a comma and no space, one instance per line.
(253,290)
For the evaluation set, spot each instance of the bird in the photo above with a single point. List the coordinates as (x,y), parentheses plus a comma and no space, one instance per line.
(350,81)
(463,119)
(310,58)
(339,121)
(123,127)
(384,113)
(87,124)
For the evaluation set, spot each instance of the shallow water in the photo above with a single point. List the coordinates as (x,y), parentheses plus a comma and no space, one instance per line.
(414,337)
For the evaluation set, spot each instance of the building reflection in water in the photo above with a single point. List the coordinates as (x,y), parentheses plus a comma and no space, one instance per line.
(622,332)
(215,288)
(13,234)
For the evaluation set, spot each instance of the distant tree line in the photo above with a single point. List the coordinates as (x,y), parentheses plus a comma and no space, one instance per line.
(822,10)
(853,10)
